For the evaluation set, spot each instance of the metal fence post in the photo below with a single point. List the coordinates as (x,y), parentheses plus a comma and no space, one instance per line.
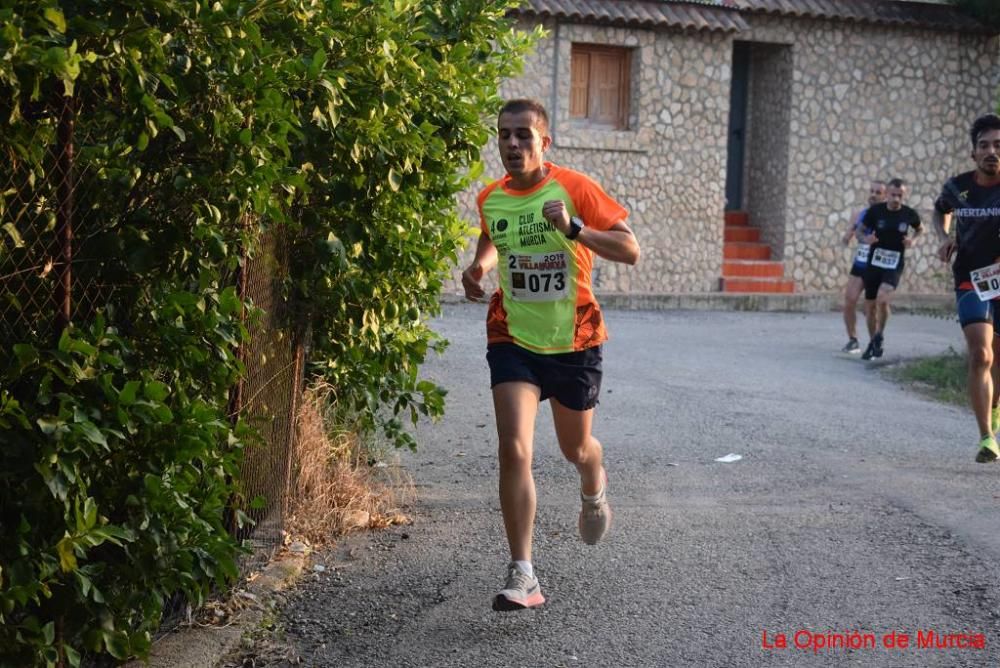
(64,215)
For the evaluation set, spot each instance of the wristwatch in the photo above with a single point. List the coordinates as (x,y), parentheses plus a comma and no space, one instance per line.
(575,225)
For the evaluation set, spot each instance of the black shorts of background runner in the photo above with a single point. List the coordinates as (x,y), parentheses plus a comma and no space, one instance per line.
(858,270)
(574,379)
(876,276)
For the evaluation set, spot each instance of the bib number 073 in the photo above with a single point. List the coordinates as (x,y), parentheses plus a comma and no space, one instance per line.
(537,277)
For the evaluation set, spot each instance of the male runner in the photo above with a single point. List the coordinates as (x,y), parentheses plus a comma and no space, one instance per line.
(855,281)
(973,199)
(542,225)
(886,230)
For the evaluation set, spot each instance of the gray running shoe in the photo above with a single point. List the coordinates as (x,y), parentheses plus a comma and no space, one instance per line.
(595,516)
(519,592)
(851,347)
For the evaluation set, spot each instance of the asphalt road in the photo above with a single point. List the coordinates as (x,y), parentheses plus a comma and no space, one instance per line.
(856,507)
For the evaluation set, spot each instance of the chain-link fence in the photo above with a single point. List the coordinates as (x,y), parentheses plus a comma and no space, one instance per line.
(56,268)
(267,396)
(36,212)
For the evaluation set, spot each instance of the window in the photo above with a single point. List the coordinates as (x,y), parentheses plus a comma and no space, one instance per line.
(599,88)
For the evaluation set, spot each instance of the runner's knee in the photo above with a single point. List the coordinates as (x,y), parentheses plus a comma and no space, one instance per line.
(980,357)
(515,452)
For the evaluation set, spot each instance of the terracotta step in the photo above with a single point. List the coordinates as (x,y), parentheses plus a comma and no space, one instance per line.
(758,285)
(739,250)
(752,269)
(741,233)
(737,218)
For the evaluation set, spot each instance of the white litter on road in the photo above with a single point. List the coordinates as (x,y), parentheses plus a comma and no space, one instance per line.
(731,457)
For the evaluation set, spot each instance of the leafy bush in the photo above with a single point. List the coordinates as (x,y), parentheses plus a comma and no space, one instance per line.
(202,124)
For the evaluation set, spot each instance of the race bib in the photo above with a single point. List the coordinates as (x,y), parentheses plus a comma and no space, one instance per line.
(861,255)
(986,281)
(885,259)
(538,277)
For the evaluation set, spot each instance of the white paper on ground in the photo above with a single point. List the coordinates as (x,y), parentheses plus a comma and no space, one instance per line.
(731,457)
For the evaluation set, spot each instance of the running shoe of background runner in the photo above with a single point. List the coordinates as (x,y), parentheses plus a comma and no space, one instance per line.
(851,347)
(877,343)
(988,450)
(869,351)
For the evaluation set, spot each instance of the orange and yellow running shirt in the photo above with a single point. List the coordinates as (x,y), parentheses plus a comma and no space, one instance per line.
(545,302)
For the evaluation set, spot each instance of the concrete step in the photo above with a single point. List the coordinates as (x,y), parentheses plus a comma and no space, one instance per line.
(769,285)
(752,269)
(737,218)
(741,233)
(745,250)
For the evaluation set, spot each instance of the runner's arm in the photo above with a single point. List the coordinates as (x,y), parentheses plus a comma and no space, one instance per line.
(854,231)
(617,243)
(910,240)
(482,264)
(942,224)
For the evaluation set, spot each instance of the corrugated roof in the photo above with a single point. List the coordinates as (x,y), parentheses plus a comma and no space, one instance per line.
(924,15)
(732,15)
(706,15)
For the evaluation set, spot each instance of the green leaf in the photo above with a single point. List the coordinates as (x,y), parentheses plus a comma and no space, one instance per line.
(49,633)
(154,390)
(117,644)
(92,433)
(395,180)
(55,16)
(67,559)
(128,394)
(48,424)
(14,235)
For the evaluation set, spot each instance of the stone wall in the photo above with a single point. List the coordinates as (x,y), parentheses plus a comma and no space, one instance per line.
(869,102)
(859,101)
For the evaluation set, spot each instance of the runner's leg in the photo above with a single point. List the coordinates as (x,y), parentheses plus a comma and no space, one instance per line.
(979,342)
(885,294)
(870,317)
(851,293)
(516,405)
(578,445)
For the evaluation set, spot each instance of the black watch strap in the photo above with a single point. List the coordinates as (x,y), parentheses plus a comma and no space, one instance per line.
(575,225)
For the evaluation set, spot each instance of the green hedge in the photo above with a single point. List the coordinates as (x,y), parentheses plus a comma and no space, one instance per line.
(352,126)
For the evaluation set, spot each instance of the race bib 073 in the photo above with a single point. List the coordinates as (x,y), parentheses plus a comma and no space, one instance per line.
(986,281)
(538,277)
(885,259)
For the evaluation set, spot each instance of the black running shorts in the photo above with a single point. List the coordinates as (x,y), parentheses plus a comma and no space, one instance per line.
(574,379)
(876,276)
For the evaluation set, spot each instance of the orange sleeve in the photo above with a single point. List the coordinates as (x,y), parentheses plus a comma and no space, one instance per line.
(597,209)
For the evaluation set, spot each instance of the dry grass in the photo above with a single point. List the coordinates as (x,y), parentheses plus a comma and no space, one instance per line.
(333,490)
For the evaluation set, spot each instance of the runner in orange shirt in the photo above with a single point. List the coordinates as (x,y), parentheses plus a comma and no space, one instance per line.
(541,225)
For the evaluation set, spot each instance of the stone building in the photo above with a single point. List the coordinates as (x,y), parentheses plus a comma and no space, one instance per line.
(781,109)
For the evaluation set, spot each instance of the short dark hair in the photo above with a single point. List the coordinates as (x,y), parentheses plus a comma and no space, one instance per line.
(520,104)
(896,183)
(981,125)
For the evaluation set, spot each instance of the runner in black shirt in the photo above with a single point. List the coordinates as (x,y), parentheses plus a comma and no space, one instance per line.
(973,200)
(887,228)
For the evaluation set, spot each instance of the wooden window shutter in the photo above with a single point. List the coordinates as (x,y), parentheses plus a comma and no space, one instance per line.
(579,84)
(599,84)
